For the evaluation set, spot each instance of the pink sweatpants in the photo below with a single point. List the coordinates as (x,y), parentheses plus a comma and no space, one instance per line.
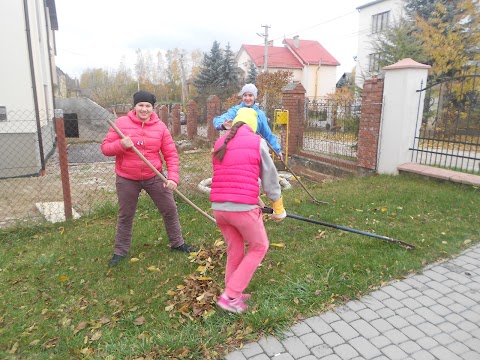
(239,228)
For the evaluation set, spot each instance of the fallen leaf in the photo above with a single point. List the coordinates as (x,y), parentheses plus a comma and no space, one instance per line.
(34,342)
(468,241)
(63,278)
(133,260)
(96,336)
(278,244)
(153,268)
(139,321)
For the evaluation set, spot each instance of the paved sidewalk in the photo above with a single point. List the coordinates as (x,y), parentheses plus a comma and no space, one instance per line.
(431,315)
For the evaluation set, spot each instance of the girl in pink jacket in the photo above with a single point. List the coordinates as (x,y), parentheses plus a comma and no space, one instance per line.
(144,130)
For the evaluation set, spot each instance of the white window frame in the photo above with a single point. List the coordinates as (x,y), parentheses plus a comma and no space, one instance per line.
(380,21)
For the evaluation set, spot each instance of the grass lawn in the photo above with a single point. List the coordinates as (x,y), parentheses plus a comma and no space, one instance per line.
(59,300)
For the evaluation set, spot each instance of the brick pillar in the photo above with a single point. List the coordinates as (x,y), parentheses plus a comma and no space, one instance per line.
(293,100)
(213,110)
(163,114)
(369,128)
(192,119)
(176,126)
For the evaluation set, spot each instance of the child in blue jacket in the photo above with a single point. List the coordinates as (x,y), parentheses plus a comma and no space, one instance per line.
(249,94)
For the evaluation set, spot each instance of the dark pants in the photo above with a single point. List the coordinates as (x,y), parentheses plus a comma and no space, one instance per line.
(128,192)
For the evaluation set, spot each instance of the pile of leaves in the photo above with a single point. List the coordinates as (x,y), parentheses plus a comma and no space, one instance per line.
(196,297)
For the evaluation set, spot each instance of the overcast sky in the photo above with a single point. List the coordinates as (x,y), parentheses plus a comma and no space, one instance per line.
(98,33)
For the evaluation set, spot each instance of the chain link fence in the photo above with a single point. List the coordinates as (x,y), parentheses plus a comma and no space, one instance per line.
(31,176)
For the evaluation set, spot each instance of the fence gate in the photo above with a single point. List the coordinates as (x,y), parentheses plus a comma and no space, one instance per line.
(331,127)
(448,134)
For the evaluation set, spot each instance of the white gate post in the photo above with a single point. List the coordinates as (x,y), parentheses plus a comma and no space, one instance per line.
(401,103)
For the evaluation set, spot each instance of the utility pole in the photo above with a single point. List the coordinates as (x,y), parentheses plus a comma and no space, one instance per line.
(265,55)
(184,82)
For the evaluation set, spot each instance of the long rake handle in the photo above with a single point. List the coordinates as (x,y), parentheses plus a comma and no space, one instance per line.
(344,228)
(295,176)
(149,164)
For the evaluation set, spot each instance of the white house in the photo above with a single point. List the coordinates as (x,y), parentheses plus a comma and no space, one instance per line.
(374,17)
(312,65)
(27,73)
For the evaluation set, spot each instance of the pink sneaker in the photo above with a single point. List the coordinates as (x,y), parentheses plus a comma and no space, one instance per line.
(233,305)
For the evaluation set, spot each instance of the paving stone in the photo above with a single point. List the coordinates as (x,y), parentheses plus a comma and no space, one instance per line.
(295,347)
(458,348)
(392,304)
(445,301)
(394,292)
(454,318)
(236,355)
(332,339)
(468,326)
(432,294)
(404,312)
(414,292)
(364,347)
(440,310)
(430,329)
(462,299)
(425,301)
(318,325)
(439,269)
(415,319)
(461,289)
(442,353)
(447,327)
(379,295)
(471,315)
(470,355)
(301,329)
(427,343)
(413,333)
(344,329)
(356,305)
(345,351)
(393,352)
(444,339)
(422,355)
(397,321)
(308,357)
(395,336)
(435,275)
(461,335)
(385,313)
(402,286)
(460,278)
(364,328)
(260,357)
(271,345)
(411,303)
(321,351)
(473,344)
(442,288)
(474,295)
(311,339)
(284,356)
(330,317)
(332,357)
(251,349)
(410,347)
(347,314)
(367,315)
(380,341)
(429,315)
(381,325)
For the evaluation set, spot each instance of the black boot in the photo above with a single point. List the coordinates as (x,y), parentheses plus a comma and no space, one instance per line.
(115,260)
(185,248)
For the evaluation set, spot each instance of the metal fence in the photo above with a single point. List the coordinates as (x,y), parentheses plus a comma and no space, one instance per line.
(448,127)
(31,177)
(331,127)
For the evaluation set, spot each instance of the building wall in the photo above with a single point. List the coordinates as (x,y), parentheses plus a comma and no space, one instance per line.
(365,35)
(319,80)
(23,129)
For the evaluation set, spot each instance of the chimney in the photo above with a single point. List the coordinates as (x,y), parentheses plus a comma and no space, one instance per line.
(296,42)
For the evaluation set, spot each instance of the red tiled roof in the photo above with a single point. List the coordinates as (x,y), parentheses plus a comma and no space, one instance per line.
(277,56)
(311,52)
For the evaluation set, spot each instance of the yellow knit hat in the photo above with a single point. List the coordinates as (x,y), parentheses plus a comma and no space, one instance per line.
(248,116)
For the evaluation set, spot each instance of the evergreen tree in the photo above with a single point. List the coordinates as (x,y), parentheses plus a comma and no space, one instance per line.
(252,73)
(397,42)
(425,9)
(209,73)
(228,73)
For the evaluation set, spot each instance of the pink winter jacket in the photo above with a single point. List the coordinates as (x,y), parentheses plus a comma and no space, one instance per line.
(151,138)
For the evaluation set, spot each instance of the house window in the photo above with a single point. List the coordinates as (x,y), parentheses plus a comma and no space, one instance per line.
(379,22)
(3,113)
(374,63)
